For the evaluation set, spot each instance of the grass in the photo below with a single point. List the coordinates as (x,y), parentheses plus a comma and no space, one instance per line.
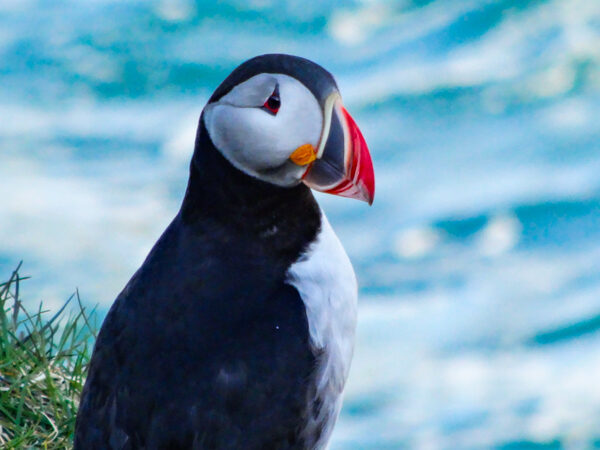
(43,361)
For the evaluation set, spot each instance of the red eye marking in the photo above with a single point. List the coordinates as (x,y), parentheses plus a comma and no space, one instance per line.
(273,103)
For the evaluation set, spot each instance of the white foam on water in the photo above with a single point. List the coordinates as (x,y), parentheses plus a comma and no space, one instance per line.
(499,236)
(415,242)
(502,54)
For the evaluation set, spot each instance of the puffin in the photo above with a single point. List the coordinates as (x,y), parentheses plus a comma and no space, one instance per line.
(237,331)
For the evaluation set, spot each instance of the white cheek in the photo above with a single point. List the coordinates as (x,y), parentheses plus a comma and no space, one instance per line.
(246,135)
(254,140)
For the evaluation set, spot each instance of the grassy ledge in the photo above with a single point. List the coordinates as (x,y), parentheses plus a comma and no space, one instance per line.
(43,361)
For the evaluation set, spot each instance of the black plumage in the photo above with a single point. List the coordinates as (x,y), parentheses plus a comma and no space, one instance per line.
(208,346)
(316,79)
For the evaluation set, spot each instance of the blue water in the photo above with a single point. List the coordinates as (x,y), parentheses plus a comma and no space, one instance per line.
(479,262)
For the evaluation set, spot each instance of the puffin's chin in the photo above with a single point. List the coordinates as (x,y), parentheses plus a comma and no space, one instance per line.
(287,175)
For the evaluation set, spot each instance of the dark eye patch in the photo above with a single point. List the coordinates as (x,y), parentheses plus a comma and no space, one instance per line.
(273,103)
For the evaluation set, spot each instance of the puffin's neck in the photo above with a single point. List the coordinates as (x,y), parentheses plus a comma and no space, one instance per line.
(218,191)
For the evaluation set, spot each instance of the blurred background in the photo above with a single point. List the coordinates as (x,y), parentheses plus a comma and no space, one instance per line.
(478,264)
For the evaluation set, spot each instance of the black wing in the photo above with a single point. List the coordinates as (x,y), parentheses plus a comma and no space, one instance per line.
(207,347)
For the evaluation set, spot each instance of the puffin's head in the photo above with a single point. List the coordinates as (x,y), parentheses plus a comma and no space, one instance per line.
(280,118)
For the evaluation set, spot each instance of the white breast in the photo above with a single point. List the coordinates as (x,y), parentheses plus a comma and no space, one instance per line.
(327,285)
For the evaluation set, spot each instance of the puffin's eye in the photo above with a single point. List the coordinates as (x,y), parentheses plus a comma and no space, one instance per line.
(273,102)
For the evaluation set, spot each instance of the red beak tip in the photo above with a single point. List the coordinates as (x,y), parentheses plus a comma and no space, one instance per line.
(362,166)
(369,197)
(365,193)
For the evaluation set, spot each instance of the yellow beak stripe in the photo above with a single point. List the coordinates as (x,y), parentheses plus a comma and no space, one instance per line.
(303,155)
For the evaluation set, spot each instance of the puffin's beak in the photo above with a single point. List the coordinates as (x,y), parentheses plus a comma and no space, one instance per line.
(343,163)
